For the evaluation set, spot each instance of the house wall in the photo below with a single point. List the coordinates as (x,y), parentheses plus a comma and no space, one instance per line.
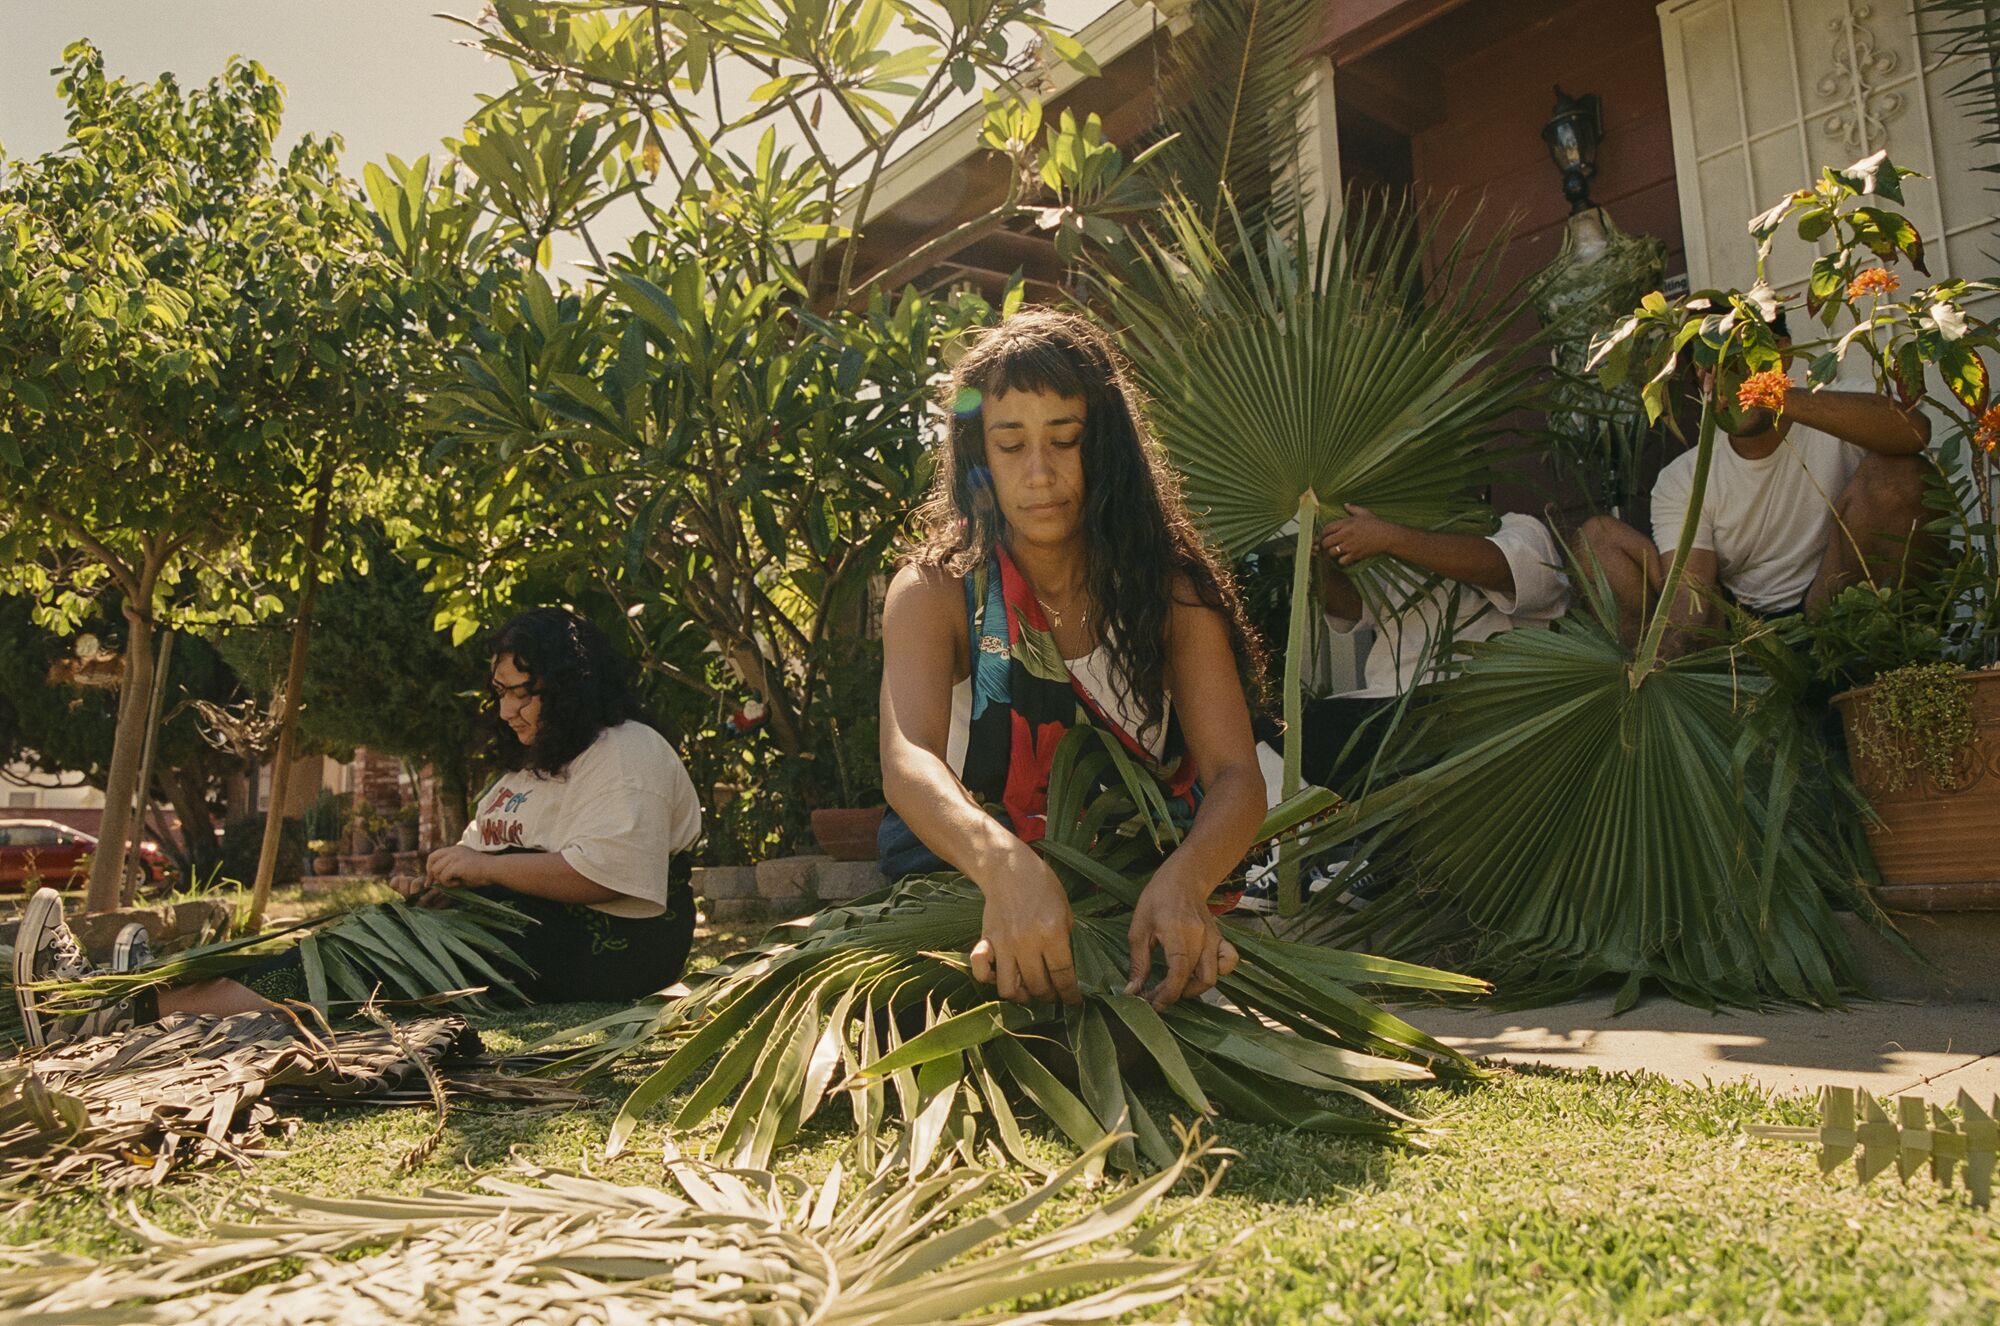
(1496,98)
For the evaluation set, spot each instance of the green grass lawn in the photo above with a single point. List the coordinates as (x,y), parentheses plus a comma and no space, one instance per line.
(1549,1197)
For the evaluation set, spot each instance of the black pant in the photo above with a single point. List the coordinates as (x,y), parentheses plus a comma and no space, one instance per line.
(574,953)
(1339,741)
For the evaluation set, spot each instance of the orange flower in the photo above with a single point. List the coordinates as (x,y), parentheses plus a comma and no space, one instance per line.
(1874,281)
(1764,390)
(1988,436)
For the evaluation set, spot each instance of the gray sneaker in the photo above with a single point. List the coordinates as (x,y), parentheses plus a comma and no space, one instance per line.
(132,949)
(45,949)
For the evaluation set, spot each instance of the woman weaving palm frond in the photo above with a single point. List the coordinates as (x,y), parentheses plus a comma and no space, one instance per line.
(1061,582)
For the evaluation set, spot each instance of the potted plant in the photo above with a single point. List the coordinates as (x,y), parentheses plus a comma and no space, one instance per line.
(1913,661)
(362,840)
(406,827)
(325,856)
(382,840)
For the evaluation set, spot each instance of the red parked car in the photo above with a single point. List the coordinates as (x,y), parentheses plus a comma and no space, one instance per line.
(38,852)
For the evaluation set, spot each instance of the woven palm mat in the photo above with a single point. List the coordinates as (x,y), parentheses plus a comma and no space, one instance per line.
(129,1108)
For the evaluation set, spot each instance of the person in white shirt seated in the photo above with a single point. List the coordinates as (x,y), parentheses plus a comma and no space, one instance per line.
(1477,586)
(1800,505)
(586,834)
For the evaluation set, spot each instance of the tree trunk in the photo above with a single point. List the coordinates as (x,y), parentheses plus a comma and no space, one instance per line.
(162,670)
(107,863)
(188,794)
(288,727)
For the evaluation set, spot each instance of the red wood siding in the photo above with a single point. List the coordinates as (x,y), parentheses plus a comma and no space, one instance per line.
(1496,97)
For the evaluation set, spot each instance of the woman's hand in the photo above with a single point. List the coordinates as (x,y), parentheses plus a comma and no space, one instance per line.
(454,867)
(1173,916)
(1023,949)
(416,890)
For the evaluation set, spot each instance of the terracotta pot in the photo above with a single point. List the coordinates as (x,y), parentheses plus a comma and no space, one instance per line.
(326,865)
(847,835)
(1930,835)
(381,861)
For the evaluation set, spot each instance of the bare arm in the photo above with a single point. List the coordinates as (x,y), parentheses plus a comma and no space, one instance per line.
(920,662)
(1868,420)
(1024,948)
(1467,558)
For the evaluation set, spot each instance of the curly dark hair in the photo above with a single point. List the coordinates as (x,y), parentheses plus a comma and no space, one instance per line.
(584,685)
(1138,537)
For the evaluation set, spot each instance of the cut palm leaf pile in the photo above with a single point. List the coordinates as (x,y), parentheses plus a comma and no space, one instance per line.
(382,950)
(1684,828)
(130,1108)
(876,998)
(729,1248)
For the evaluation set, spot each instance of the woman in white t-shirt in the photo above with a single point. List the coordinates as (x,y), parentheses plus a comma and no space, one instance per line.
(583,835)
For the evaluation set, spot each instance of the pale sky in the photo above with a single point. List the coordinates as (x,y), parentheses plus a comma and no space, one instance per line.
(387,75)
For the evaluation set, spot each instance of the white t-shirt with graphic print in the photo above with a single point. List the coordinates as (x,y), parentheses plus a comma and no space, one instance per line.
(617,814)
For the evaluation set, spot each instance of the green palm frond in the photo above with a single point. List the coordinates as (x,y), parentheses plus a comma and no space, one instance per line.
(1232,89)
(726,1247)
(1970,28)
(387,950)
(1365,363)
(1685,828)
(875,1002)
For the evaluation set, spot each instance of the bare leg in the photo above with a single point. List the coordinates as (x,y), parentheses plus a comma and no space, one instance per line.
(220,996)
(1876,529)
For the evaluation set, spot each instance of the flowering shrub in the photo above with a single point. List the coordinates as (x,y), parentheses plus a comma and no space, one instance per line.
(1764,390)
(1728,338)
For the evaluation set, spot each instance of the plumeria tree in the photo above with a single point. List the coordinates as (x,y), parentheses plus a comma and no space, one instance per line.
(722,424)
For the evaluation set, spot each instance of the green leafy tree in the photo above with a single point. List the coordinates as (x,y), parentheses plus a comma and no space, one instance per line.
(382,675)
(204,361)
(722,427)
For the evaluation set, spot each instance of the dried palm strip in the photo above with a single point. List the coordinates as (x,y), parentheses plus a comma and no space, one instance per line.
(731,1247)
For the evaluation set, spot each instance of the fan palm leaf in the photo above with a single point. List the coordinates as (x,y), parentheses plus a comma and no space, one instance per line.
(875,1002)
(1684,829)
(1365,363)
(1970,28)
(729,1247)
(1233,86)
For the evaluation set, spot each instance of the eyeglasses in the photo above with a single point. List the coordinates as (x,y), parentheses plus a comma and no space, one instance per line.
(520,690)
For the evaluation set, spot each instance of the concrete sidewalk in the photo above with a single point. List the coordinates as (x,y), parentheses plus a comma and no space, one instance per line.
(1890,1049)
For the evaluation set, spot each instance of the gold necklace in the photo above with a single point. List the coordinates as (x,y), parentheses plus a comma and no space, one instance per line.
(1056,618)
